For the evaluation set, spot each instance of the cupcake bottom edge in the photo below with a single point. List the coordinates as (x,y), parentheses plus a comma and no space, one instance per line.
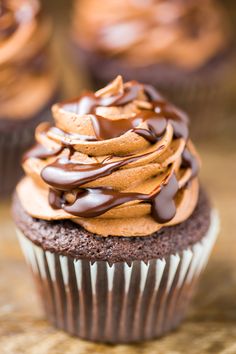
(119,303)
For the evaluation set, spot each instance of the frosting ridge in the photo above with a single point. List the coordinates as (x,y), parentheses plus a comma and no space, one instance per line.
(118,162)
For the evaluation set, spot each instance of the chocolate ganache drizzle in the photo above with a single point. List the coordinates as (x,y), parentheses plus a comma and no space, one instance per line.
(118,162)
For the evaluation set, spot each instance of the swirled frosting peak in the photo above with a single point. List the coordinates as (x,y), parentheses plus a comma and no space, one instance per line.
(118,162)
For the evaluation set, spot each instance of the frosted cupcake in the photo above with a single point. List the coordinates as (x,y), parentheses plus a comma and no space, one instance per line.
(181,47)
(28,84)
(111,216)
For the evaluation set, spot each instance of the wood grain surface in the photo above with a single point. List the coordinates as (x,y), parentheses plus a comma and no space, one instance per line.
(211,323)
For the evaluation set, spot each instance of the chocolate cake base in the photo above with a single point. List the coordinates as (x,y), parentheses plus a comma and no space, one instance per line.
(16,136)
(116,289)
(70,239)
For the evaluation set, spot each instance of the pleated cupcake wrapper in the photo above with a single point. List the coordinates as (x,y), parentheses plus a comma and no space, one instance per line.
(118,302)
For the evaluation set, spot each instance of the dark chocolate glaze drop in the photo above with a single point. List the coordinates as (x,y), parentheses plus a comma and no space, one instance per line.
(190,161)
(41,152)
(66,175)
(55,198)
(92,202)
(156,119)
(71,136)
(163,205)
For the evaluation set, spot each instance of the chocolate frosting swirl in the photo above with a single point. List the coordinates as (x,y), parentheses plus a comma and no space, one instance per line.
(24,59)
(183,33)
(119,162)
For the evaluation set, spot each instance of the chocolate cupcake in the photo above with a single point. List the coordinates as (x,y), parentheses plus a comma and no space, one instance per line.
(181,47)
(28,84)
(111,217)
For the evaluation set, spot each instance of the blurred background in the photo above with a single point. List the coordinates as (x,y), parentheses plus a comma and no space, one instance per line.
(211,103)
(77,74)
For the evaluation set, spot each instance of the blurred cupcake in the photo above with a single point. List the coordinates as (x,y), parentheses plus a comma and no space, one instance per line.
(181,47)
(28,84)
(111,217)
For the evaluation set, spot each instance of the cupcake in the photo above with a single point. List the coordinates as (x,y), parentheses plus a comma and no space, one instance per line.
(28,84)
(181,47)
(111,216)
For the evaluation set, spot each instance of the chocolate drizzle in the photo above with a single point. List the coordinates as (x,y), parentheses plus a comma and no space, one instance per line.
(175,117)
(190,161)
(70,136)
(108,129)
(163,205)
(156,119)
(92,202)
(67,178)
(87,103)
(65,175)
(55,198)
(156,127)
(41,152)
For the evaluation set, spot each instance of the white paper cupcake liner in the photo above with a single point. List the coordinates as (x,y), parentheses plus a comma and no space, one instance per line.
(121,302)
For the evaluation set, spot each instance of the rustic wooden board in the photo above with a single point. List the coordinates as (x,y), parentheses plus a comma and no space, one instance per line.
(211,323)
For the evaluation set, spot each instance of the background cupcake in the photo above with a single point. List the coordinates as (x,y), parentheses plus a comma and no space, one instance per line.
(183,48)
(119,229)
(28,82)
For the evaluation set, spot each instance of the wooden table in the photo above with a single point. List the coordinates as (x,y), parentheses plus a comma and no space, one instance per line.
(211,324)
